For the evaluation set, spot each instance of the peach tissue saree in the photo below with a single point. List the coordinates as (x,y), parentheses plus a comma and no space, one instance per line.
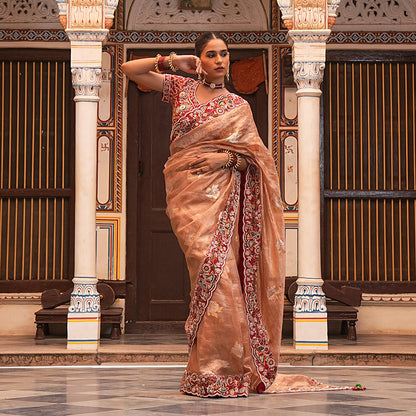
(230,227)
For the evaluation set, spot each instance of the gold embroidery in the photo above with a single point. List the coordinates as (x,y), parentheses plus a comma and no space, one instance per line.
(237,350)
(213,192)
(271,292)
(233,138)
(280,245)
(214,309)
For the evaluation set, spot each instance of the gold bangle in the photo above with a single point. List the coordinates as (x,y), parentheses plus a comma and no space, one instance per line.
(237,165)
(157,63)
(174,68)
(232,159)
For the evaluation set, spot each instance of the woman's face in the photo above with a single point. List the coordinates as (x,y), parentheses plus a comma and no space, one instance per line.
(215,60)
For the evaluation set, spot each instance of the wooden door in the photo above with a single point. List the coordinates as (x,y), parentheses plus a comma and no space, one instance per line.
(156,267)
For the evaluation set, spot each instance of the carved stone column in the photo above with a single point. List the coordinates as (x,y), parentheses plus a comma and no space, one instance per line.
(85,22)
(84,310)
(309,312)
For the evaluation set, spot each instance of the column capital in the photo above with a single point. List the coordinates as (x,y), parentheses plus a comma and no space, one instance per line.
(308,59)
(86,57)
(86,82)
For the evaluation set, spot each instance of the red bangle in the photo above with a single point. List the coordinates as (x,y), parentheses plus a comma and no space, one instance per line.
(161,63)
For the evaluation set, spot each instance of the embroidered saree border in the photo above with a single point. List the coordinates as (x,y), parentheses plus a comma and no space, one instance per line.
(252,223)
(211,385)
(213,264)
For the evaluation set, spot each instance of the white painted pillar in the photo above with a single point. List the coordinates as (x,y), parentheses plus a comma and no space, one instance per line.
(309,312)
(84,310)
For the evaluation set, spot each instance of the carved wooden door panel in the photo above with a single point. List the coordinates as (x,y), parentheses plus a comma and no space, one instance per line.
(156,267)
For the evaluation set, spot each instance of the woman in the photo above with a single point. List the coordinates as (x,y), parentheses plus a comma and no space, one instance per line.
(223,201)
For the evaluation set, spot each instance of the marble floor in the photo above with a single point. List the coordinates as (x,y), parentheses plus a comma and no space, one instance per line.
(153,390)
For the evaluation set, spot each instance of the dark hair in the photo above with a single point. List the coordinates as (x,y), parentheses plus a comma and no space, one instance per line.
(203,39)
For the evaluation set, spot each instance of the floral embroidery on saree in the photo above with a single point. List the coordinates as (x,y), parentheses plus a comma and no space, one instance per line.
(259,340)
(190,117)
(211,385)
(188,113)
(213,264)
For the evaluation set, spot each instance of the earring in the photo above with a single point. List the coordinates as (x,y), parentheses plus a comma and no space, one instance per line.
(227,75)
(199,76)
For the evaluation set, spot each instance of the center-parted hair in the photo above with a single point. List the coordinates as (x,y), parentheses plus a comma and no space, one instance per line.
(203,39)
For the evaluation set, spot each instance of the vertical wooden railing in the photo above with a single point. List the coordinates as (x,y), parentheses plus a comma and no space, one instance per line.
(369,153)
(36,171)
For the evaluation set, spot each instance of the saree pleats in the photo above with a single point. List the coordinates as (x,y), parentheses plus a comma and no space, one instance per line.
(231,231)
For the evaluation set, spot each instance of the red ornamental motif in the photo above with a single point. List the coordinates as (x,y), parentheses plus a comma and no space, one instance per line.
(259,339)
(188,113)
(210,385)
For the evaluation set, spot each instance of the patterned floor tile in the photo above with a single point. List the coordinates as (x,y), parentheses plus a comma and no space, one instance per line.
(337,410)
(147,391)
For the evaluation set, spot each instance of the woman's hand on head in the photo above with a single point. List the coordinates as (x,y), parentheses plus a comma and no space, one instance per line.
(208,162)
(190,64)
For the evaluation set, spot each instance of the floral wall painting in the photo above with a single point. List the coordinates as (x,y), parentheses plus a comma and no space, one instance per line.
(195,4)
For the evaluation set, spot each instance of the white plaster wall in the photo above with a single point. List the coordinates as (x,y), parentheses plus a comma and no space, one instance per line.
(387,319)
(17,317)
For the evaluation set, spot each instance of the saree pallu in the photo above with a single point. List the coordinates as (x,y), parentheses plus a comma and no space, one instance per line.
(230,227)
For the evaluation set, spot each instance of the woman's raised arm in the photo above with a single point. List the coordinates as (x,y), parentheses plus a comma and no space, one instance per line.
(143,71)
(148,71)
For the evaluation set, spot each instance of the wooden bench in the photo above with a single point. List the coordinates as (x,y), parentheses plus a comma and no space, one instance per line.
(339,303)
(55,312)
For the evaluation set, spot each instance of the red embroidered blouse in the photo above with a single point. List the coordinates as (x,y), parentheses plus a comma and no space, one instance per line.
(187,112)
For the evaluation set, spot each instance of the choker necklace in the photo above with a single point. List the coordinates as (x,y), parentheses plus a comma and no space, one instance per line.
(213,85)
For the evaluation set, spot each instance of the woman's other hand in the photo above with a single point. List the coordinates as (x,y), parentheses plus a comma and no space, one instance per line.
(210,162)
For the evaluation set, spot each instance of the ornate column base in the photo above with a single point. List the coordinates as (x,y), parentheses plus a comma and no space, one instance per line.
(84,315)
(310,315)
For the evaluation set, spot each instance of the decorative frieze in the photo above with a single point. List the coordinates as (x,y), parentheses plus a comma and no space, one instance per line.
(87,35)
(370,14)
(309,14)
(396,37)
(376,12)
(398,299)
(29,13)
(223,14)
(86,14)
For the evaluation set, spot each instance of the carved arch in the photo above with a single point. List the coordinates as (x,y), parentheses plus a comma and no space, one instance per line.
(394,15)
(224,15)
(33,14)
